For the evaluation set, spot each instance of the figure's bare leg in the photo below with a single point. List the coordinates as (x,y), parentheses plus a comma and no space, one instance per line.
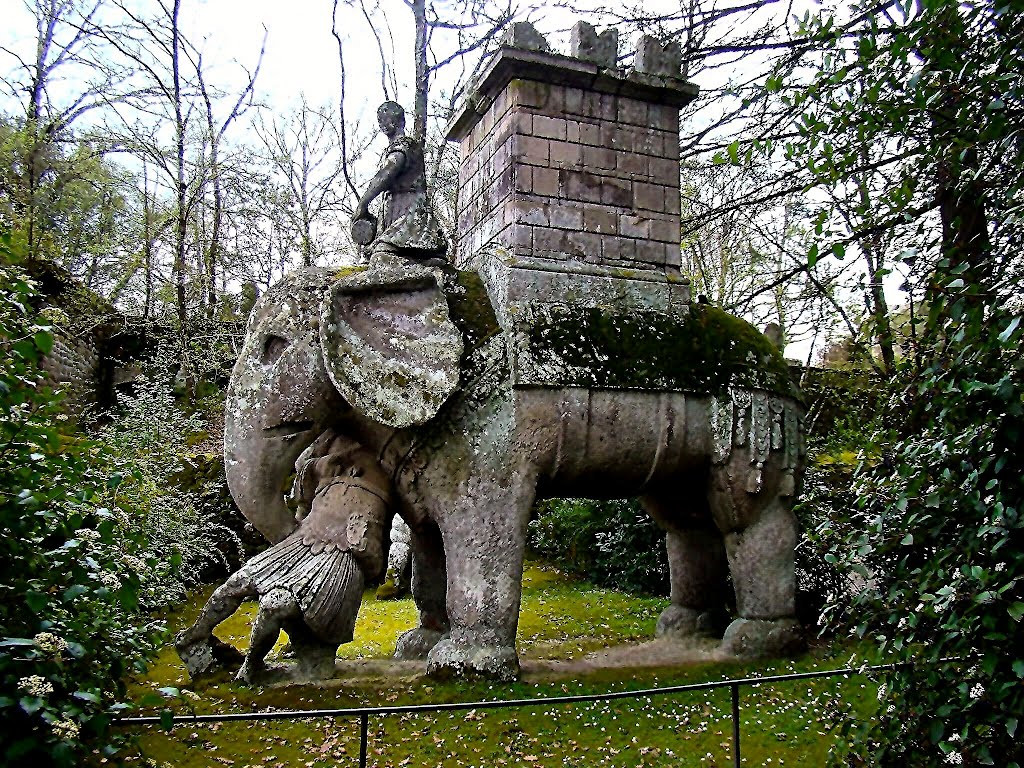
(276,607)
(485,540)
(696,560)
(760,541)
(197,646)
(429,589)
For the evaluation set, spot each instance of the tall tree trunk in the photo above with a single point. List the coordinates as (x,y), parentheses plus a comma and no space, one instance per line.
(419,123)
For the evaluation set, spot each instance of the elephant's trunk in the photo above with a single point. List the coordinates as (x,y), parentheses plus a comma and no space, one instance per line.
(259,468)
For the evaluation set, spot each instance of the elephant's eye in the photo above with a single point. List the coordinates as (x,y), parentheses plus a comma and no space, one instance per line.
(273,348)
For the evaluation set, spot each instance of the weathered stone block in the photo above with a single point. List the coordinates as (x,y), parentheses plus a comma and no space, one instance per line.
(567,215)
(663,117)
(656,58)
(599,157)
(564,152)
(523,179)
(549,127)
(522,34)
(665,230)
(632,164)
(664,170)
(635,226)
(531,211)
(546,182)
(580,185)
(649,197)
(600,219)
(587,45)
(590,133)
(618,192)
(530,149)
(632,112)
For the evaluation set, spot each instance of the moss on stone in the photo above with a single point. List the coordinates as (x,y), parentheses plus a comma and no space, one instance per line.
(706,351)
(471,310)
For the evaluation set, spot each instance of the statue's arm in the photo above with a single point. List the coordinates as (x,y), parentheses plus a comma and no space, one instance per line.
(393,165)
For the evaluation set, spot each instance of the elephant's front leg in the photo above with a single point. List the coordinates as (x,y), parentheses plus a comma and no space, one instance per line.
(429,586)
(484,537)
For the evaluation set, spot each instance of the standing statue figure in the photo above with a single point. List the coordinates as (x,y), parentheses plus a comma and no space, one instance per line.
(408,226)
(311,583)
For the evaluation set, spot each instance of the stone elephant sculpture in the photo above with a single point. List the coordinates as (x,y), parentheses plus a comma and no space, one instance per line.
(694,413)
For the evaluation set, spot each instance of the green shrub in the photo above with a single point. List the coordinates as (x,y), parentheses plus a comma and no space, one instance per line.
(70,622)
(148,448)
(610,543)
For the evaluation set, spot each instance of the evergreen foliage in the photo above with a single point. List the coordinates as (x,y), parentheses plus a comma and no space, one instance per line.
(70,623)
(610,543)
(934,89)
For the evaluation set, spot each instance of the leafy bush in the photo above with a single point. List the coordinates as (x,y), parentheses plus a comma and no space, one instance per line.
(610,543)
(70,622)
(148,449)
(942,551)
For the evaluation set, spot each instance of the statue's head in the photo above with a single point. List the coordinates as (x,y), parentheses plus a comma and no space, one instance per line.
(391,118)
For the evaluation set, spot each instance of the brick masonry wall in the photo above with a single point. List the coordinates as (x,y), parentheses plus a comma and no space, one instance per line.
(559,173)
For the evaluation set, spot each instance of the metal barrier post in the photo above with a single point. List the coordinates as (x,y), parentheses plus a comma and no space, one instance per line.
(364,726)
(735,724)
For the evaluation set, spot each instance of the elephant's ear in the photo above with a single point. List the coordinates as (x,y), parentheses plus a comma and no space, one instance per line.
(391,349)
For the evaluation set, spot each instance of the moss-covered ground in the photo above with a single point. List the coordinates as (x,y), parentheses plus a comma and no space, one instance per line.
(782,724)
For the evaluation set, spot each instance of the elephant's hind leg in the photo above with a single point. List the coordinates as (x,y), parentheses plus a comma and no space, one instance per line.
(429,590)
(760,541)
(697,565)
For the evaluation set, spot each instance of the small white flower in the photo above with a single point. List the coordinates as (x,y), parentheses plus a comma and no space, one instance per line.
(954,758)
(87,534)
(890,709)
(881,691)
(110,581)
(50,643)
(65,729)
(191,695)
(131,561)
(977,691)
(954,737)
(36,685)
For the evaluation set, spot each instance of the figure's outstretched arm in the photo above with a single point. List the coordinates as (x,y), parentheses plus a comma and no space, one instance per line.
(393,165)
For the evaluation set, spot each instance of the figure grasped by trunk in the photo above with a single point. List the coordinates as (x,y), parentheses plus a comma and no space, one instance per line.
(311,583)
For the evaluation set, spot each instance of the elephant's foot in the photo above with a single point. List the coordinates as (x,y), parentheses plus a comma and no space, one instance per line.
(447,659)
(205,655)
(758,638)
(678,621)
(416,644)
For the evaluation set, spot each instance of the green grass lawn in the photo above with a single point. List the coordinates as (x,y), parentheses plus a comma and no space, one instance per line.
(783,724)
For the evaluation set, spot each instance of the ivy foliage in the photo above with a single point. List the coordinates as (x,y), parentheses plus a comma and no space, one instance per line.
(934,89)
(70,623)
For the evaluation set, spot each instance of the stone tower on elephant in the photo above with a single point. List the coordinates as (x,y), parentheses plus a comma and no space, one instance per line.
(559,356)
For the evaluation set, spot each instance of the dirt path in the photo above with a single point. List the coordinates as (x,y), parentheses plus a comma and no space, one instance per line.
(653,653)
